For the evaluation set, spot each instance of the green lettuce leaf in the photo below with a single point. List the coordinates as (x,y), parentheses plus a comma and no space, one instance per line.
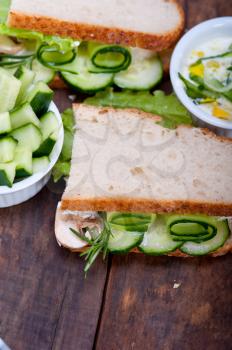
(62,167)
(4,9)
(173,113)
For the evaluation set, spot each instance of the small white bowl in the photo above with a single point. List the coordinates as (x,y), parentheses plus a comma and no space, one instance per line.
(26,189)
(204,32)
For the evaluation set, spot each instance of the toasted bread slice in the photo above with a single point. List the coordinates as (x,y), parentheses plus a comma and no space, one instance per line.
(147,24)
(124,161)
(67,239)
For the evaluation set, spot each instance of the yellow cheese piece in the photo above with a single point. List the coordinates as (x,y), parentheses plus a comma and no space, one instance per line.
(220,113)
(197,70)
(198,53)
(213,64)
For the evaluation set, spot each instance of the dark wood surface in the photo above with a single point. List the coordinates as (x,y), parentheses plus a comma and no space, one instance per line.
(129,302)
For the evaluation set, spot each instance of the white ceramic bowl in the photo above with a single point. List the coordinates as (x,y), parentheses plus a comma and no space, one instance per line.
(26,189)
(204,32)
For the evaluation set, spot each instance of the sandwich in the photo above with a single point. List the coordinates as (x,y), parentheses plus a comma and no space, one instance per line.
(136,186)
(90,45)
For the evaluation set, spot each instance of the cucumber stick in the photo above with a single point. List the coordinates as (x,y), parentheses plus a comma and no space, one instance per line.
(49,129)
(5,123)
(23,161)
(9,87)
(28,136)
(7,149)
(40,164)
(7,174)
(23,115)
(39,97)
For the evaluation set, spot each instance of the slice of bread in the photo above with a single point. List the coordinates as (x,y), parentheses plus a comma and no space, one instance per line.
(148,24)
(123,161)
(65,238)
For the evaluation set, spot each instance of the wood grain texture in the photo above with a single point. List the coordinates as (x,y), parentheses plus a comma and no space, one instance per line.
(45,301)
(165,303)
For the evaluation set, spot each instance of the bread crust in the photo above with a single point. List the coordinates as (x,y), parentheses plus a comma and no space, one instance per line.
(84,31)
(147,206)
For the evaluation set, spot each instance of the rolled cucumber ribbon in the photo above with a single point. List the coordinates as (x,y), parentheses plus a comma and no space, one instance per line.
(108,58)
(132,222)
(53,57)
(197,228)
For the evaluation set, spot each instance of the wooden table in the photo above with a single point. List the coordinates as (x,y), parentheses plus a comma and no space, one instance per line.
(129,302)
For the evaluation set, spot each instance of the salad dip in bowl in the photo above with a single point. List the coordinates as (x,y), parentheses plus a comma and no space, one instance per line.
(201,74)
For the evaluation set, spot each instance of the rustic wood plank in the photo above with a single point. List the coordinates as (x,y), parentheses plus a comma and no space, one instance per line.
(143,310)
(42,283)
(45,301)
(224,8)
(198,11)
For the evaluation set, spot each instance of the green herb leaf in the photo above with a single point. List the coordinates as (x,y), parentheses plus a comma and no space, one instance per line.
(173,113)
(62,167)
(96,246)
(68,119)
(82,237)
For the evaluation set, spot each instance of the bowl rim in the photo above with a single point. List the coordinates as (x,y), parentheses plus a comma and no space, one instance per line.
(182,45)
(35,178)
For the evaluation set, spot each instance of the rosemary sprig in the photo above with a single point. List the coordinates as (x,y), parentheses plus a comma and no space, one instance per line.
(96,246)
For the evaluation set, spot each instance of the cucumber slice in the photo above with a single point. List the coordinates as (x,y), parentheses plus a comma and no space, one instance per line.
(131,228)
(141,74)
(7,174)
(83,80)
(49,129)
(5,123)
(7,149)
(191,225)
(88,82)
(9,87)
(26,76)
(49,125)
(107,58)
(197,239)
(132,222)
(124,219)
(28,136)
(122,241)
(40,164)
(23,115)
(42,73)
(157,240)
(40,97)
(195,249)
(23,161)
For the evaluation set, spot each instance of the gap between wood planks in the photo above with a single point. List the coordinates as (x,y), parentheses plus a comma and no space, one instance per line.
(109,264)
